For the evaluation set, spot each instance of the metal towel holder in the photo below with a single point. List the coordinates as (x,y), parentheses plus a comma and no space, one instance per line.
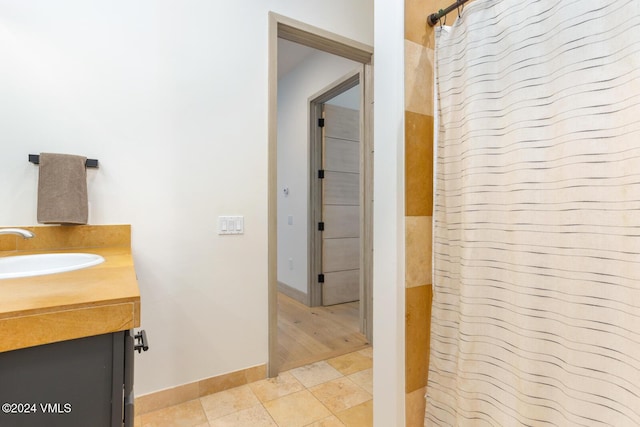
(90,163)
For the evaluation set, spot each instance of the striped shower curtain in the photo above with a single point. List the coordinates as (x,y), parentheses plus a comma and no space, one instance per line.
(536,308)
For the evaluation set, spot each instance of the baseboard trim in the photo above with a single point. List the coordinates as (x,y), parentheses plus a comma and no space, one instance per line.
(183,393)
(294,293)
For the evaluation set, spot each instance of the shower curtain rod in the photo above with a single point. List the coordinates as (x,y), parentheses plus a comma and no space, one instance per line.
(435,17)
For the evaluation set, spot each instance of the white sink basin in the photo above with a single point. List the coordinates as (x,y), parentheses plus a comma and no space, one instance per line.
(37,265)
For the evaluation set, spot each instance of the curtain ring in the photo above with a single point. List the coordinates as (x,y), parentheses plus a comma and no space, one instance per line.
(458,7)
(441,23)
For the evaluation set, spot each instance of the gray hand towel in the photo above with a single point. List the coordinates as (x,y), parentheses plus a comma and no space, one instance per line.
(62,189)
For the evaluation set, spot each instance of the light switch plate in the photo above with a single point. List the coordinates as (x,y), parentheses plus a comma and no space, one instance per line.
(231,224)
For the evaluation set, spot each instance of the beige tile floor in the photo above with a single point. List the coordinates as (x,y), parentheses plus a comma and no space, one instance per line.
(333,392)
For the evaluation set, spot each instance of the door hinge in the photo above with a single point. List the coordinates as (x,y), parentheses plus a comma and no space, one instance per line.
(321,174)
(320,278)
(321,226)
(321,123)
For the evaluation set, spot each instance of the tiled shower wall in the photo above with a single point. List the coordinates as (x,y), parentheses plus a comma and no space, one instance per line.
(418,60)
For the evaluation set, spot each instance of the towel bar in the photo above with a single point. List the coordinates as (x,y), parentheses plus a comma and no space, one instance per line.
(90,163)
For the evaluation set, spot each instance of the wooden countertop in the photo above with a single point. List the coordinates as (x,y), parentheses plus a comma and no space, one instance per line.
(56,307)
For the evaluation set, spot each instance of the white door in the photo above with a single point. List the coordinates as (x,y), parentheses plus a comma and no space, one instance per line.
(340,205)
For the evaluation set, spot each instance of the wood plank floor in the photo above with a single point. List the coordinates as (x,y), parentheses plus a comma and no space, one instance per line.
(310,334)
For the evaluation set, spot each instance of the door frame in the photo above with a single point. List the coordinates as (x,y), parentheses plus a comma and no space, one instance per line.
(317,38)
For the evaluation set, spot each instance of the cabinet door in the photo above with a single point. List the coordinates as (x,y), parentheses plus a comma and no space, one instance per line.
(66,384)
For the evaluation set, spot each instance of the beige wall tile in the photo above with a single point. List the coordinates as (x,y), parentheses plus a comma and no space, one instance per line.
(415,21)
(418,250)
(417,335)
(418,78)
(418,164)
(415,406)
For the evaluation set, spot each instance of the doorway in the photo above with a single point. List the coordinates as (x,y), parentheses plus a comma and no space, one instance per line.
(285,28)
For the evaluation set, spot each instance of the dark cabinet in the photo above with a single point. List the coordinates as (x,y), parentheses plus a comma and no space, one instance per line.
(75,383)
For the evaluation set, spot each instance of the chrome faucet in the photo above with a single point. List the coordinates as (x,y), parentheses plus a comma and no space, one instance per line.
(26,234)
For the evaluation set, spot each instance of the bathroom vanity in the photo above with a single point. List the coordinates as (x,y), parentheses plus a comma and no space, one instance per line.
(66,344)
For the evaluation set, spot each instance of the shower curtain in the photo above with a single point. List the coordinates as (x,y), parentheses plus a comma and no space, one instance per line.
(536,308)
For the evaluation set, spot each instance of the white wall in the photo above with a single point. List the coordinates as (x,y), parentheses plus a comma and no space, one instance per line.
(388,216)
(294,90)
(171,97)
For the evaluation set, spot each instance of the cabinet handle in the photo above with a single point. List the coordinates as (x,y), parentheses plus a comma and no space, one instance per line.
(141,341)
